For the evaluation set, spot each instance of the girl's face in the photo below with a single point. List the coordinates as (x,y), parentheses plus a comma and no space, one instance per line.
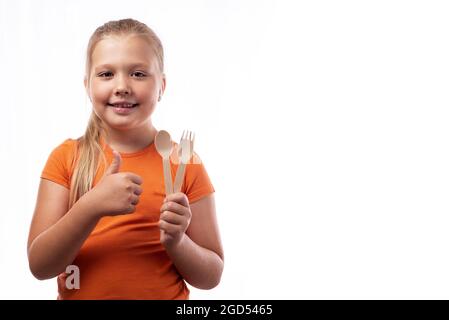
(124,70)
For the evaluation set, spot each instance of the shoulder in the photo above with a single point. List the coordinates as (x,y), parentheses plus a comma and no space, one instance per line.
(65,152)
(60,162)
(68,145)
(197,180)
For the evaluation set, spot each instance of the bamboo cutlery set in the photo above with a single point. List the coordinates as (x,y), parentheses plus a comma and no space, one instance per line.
(164,147)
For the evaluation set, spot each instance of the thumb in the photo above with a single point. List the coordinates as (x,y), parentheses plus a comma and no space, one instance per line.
(115,164)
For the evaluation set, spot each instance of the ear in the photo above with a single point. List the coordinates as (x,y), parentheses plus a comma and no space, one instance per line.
(163,84)
(87,89)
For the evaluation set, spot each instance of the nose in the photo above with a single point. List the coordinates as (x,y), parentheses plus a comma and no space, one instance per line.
(122,87)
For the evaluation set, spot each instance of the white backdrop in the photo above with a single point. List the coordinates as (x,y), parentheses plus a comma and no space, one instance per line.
(323,126)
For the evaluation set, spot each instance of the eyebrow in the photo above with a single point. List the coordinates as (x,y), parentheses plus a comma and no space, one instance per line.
(130,66)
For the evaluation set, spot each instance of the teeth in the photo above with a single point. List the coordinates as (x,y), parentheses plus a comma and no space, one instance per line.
(123,105)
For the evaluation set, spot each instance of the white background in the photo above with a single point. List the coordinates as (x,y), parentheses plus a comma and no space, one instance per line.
(323,126)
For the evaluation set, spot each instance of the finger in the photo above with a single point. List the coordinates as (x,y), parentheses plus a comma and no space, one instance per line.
(179,197)
(174,207)
(131,208)
(166,234)
(134,178)
(171,229)
(138,190)
(134,199)
(172,218)
(115,164)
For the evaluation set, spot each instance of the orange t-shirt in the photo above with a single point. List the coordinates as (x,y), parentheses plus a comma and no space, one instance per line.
(123,257)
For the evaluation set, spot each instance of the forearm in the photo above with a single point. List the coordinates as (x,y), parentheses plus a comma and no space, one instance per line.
(200,267)
(54,249)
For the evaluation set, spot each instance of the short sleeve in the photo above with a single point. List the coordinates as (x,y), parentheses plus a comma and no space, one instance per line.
(58,165)
(197,181)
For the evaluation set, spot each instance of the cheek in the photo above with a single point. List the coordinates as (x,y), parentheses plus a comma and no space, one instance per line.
(100,93)
(145,91)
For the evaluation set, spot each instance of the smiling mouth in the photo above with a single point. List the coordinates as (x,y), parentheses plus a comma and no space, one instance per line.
(120,105)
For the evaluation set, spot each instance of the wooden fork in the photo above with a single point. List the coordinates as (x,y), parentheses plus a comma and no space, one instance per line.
(186,152)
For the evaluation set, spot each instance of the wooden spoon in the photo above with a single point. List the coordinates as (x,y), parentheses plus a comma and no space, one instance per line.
(164,147)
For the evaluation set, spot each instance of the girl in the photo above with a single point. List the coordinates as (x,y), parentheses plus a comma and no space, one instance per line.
(101,207)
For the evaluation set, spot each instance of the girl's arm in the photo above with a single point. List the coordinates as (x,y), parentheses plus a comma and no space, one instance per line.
(57,235)
(198,255)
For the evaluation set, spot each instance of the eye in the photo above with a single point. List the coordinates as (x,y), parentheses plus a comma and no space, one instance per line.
(139,74)
(105,74)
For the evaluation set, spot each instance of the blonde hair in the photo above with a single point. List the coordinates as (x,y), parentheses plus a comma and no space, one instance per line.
(89,149)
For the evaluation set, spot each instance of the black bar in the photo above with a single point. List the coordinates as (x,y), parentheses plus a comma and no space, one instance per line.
(238,309)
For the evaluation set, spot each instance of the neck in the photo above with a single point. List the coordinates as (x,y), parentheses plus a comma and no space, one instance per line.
(130,140)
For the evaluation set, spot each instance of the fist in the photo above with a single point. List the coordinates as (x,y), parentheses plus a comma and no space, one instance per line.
(117,192)
(175,219)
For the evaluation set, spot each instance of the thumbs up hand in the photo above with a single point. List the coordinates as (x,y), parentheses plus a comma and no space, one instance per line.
(117,192)
(115,164)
